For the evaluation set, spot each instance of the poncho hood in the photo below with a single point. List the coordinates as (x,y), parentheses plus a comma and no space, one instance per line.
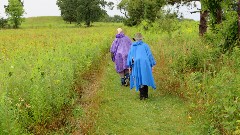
(137,43)
(120,35)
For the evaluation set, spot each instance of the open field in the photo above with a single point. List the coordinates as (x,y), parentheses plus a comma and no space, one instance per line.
(57,78)
(39,66)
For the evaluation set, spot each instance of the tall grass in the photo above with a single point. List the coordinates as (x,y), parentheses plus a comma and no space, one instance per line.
(198,72)
(41,61)
(39,66)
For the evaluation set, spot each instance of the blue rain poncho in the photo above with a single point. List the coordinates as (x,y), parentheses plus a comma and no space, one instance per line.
(141,61)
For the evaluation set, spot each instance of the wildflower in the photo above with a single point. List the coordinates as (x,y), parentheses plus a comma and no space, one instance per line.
(21,99)
(27,105)
(18,105)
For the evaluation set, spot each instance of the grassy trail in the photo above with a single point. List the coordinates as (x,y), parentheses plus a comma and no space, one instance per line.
(120,111)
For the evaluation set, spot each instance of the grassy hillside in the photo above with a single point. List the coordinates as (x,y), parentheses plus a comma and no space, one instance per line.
(44,21)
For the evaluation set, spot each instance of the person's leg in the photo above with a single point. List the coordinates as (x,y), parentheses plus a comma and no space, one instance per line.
(145,91)
(126,77)
(122,77)
(141,92)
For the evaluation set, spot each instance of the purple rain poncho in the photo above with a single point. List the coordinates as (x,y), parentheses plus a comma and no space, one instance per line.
(120,48)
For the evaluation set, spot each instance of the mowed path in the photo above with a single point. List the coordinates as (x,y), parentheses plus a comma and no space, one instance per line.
(120,111)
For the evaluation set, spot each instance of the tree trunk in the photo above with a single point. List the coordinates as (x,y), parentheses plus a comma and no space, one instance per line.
(88,23)
(203,22)
(219,15)
(239,18)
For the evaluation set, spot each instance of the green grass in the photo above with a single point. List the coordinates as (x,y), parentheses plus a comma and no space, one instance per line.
(45,22)
(41,62)
(121,111)
(57,22)
(39,67)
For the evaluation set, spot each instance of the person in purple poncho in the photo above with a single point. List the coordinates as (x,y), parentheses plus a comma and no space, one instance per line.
(140,62)
(119,53)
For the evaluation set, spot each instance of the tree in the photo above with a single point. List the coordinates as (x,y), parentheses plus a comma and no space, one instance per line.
(3,22)
(214,7)
(68,10)
(90,10)
(83,10)
(203,22)
(138,10)
(238,10)
(204,12)
(152,8)
(15,12)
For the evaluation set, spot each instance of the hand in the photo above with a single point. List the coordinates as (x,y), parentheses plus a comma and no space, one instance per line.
(130,70)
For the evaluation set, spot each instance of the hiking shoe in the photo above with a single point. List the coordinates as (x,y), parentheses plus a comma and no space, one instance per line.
(127,79)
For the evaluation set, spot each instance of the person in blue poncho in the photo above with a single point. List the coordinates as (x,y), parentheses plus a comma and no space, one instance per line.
(140,62)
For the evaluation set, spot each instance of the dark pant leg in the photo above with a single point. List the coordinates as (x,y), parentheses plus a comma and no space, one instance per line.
(145,91)
(141,93)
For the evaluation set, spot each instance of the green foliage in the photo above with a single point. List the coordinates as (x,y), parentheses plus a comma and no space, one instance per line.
(38,73)
(218,9)
(140,10)
(3,23)
(15,11)
(82,10)
(214,7)
(135,9)
(89,11)
(225,107)
(68,10)
(205,76)
(201,74)
(115,18)
(225,35)
(167,22)
(191,61)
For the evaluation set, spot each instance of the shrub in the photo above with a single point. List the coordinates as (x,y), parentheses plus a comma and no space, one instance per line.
(225,35)
(3,23)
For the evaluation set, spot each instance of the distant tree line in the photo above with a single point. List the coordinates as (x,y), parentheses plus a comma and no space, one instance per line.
(115,18)
(14,11)
(212,12)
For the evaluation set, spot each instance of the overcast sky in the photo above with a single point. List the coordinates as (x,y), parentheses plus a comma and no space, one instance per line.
(49,8)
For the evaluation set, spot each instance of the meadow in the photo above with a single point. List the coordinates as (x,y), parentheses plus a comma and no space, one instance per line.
(46,77)
(39,65)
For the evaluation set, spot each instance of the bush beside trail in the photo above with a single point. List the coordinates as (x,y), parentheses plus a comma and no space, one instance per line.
(203,70)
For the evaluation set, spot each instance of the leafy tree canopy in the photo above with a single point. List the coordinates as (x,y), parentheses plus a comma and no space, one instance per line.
(14,10)
(138,10)
(82,10)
